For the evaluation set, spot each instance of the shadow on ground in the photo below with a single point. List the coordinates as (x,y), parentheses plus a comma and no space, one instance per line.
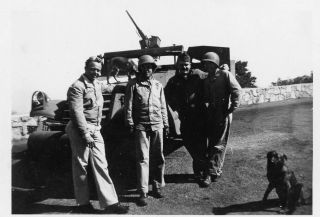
(255,206)
(179,178)
(36,181)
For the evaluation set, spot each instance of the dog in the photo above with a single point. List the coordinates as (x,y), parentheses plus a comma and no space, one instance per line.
(121,66)
(284,181)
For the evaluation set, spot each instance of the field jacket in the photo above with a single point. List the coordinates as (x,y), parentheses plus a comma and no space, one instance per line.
(145,104)
(86,102)
(185,97)
(222,93)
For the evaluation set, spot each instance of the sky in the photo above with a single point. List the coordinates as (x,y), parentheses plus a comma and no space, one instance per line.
(50,40)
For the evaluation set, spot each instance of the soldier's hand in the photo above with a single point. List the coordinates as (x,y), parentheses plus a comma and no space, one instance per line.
(131,129)
(228,112)
(224,67)
(89,141)
(166,132)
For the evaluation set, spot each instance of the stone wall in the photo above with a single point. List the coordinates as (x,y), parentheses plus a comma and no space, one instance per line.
(275,93)
(23,125)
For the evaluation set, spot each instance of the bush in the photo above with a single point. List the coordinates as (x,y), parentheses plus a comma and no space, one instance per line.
(297,80)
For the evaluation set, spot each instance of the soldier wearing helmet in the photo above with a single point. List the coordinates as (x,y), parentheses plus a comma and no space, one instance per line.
(221,97)
(146,117)
(183,94)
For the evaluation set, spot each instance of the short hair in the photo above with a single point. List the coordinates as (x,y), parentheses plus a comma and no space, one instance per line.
(184,57)
(97,59)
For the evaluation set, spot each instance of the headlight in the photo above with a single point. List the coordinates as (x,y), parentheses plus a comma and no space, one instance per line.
(39,98)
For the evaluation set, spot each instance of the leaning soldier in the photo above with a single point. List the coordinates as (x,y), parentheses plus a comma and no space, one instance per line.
(221,97)
(146,116)
(85,103)
(184,95)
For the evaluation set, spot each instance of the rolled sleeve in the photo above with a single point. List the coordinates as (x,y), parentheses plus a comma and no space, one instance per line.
(75,100)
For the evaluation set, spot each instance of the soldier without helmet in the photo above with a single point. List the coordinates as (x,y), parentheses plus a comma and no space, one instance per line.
(85,103)
(183,94)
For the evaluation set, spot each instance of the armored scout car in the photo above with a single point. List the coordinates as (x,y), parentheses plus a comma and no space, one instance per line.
(50,145)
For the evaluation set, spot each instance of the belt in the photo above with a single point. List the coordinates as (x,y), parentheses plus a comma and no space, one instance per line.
(94,127)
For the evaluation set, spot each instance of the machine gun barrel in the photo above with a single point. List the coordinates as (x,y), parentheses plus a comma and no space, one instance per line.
(142,35)
(163,51)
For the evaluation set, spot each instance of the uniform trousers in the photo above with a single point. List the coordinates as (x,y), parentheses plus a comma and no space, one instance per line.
(194,139)
(218,134)
(81,156)
(150,159)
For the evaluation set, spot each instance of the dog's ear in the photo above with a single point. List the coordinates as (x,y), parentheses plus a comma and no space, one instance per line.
(270,154)
(285,157)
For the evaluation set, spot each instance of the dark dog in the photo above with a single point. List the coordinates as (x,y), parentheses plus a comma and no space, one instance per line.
(121,66)
(284,181)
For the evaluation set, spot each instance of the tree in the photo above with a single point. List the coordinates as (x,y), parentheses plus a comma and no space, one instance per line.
(296,80)
(243,75)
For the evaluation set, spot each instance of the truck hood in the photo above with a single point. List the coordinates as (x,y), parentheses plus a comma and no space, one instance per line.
(53,109)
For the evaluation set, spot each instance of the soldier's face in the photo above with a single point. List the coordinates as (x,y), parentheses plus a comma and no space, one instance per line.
(146,70)
(183,68)
(93,70)
(209,67)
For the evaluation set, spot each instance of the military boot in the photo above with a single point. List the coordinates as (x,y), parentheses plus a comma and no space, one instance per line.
(142,200)
(156,193)
(206,181)
(87,208)
(116,209)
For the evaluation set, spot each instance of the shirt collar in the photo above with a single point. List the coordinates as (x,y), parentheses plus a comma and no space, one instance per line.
(147,82)
(87,82)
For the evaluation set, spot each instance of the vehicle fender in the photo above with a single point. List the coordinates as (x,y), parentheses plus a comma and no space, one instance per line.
(48,143)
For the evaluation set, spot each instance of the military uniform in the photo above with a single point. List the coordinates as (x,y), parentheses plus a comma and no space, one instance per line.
(145,109)
(86,101)
(184,96)
(221,93)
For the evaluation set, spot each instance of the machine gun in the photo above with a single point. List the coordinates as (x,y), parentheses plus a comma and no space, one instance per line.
(145,42)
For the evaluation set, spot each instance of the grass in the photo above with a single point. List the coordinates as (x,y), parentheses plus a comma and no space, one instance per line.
(282,126)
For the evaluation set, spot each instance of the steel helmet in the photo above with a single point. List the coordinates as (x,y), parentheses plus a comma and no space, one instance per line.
(146,59)
(211,57)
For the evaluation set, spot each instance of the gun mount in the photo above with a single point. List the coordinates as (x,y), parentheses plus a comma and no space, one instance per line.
(145,42)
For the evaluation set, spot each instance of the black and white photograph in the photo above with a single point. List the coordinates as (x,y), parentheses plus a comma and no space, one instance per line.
(171,107)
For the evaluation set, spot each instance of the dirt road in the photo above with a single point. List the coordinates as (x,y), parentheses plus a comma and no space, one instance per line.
(257,129)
